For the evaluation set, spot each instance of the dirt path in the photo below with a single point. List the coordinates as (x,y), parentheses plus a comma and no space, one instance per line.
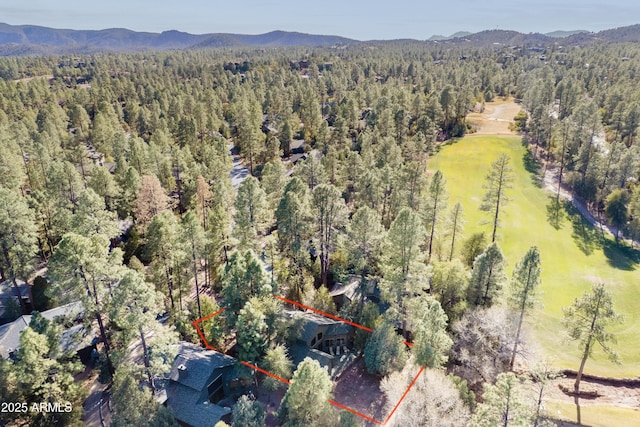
(613,395)
(551,184)
(496,118)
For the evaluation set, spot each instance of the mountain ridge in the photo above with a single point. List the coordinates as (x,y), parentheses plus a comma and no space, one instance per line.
(17,40)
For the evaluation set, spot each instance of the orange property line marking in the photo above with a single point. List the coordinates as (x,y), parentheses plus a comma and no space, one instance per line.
(340,319)
(254,367)
(404,395)
(195,323)
(353,411)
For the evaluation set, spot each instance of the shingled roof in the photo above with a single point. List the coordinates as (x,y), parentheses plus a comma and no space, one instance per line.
(187,395)
(10,332)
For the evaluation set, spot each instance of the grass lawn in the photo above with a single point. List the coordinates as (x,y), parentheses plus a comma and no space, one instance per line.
(595,416)
(574,254)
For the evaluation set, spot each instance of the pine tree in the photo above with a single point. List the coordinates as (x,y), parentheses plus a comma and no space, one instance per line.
(526,278)
(502,405)
(306,401)
(487,277)
(251,214)
(248,413)
(435,206)
(586,321)
(278,363)
(18,240)
(150,200)
(385,350)
(330,215)
(498,181)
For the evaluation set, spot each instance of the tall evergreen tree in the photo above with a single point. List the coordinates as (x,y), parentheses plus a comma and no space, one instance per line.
(251,214)
(487,277)
(498,181)
(330,215)
(435,206)
(306,401)
(586,321)
(526,278)
(503,405)
(18,241)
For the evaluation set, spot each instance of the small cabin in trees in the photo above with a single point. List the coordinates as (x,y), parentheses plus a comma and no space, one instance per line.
(200,386)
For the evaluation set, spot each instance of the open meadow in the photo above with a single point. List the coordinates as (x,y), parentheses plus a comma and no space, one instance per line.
(574,253)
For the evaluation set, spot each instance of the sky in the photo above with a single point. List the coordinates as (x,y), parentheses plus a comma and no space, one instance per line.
(358,19)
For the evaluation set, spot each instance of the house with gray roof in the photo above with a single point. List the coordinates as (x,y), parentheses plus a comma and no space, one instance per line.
(73,339)
(324,339)
(199,386)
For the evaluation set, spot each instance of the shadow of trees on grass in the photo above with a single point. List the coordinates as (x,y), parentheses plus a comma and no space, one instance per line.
(556,212)
(621,256)
(531,165)
(590,238)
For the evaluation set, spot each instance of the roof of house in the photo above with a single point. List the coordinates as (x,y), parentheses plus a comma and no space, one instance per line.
(311,322)
(10,332)
(348,289)
(191,408)
(339,328)
(198,364)
(187,395)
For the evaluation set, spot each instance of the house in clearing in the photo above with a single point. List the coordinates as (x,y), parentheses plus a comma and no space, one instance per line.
(200,385)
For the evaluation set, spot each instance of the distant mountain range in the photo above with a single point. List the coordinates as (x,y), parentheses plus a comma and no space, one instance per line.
(32,39)
(36,40)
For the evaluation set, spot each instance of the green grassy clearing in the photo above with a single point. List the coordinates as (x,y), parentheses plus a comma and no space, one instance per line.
(594,416)
(574,254)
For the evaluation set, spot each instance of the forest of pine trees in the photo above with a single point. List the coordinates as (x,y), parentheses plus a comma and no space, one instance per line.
(120,188)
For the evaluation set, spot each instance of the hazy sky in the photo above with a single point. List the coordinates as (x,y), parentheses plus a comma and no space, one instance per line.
(359,19)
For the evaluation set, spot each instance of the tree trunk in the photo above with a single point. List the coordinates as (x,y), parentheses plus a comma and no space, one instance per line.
(506,411)
(486,288)
(433,227)
(16,288)
(587,348)
(195,276)
(7,259)
(105,341)
(522,309)
(453,235)
(167,273)
(145,356)
(495,218)
(515,344)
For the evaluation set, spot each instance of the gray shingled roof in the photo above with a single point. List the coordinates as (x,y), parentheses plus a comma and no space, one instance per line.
(339,328)
(10,333)
(313,323)
(187,396)
(193,408)
(199,364)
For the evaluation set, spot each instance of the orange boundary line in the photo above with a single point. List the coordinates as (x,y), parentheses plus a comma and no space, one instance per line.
(266,372)
(404,395)
(340,319)
(353,411)
(195,323)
